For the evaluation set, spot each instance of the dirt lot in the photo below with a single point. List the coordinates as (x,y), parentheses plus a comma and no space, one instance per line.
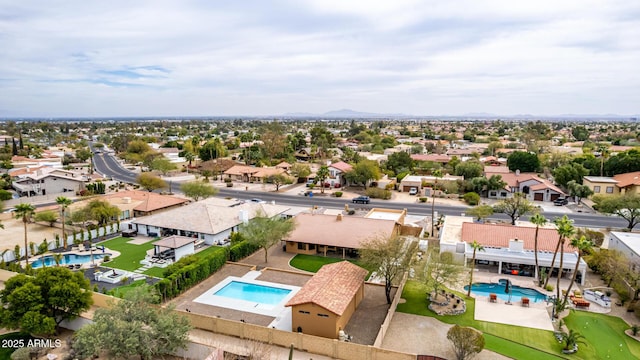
(13,233)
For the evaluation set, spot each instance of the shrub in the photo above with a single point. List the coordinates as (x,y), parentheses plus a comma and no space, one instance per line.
(378,193)
(229,184)
(549,287)
(186,276)
(402,175)
(635,329)
(623,294)
(471,198)
(106,258)
(423,199)
(227,180)
(351,212)
(241,250)
(338,194)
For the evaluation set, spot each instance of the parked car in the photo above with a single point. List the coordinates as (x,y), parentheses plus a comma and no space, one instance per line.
(259,201)
(361,200)
(305,192)
(560,201)
(413,191)
(310,182)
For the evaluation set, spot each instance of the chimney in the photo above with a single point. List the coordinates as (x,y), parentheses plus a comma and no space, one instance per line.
(339,217)
(126,200)
(243,215)
(518,172)
(516,245)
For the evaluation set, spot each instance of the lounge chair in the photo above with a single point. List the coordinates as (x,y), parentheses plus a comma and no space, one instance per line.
(493,298)
(525,301)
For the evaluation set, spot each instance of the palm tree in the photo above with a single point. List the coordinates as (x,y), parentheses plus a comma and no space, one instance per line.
(553,260)
(538,220)
(572,338)
(584,246)
(565,229)
(57,258)
(25,212)
(437,174)
(476,247)
(64,202)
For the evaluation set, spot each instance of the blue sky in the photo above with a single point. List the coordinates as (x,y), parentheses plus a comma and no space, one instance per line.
(146,58)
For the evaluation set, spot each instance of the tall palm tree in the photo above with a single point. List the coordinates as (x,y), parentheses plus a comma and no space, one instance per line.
(25,212)
(64,203)
(565,229)
(476,247)
(538,220)
(57,258)
(584,246)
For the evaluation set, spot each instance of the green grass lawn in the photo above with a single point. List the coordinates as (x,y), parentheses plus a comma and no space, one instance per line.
(604,336)
(121,291)
(155,272)
(313,263)
(130,254)
(513,341)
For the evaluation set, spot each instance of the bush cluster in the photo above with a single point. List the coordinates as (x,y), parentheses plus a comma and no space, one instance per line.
(471,198)
(377,193)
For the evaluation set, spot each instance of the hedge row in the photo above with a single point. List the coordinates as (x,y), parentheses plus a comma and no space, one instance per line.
(241,250)
(187,276)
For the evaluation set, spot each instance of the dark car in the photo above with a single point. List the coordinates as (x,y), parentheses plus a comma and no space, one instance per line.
(560,201)
(361,200)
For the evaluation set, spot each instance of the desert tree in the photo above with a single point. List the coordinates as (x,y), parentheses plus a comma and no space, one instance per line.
(390,257)
(264,231)
(515,207)
(466,341)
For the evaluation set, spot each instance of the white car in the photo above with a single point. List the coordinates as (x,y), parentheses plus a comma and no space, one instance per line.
(413,191)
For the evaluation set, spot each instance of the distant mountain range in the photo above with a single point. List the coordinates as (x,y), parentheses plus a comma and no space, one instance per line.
(348,113)
(345,113)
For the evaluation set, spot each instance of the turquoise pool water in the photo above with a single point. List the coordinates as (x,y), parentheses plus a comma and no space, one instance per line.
(252,292)
(517,292)
(67,259)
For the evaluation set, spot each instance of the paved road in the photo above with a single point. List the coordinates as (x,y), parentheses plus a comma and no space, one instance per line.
(107,165)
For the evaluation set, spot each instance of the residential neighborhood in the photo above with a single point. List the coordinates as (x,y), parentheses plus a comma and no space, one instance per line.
(496,232)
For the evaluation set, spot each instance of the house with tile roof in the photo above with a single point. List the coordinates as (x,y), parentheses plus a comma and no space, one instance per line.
(337,171)
(438,158)
(508,249)
(627,183)
(530,184)
(336,234)
(247,173)
(324,305)
(135,203)
(211,220)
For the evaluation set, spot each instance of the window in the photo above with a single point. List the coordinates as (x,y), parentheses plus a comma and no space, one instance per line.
(596,189)
(493,193)
(609,189)
(302,246)
(323,315)
(304,312)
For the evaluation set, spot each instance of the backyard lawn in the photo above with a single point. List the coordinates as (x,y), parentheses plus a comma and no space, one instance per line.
(158,272)
(121,291)
(604,336)
(312,263)
(513,341)
(130,254)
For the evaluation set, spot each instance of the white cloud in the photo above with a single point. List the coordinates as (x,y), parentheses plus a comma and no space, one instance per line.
(75,58)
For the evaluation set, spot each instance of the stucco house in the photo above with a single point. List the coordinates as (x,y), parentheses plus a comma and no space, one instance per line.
(324,305)
(247,173)
(337,171)
(48,180)
(601,185)
(340,235)
(628,244)
(508,249)
(534,187)
(417,181)
(211,220)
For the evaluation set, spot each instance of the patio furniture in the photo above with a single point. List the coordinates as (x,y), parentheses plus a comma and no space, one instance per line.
(580,303)
(525,301)
(493,298)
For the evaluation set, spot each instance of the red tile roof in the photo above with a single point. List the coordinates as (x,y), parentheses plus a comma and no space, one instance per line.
(498,236)
(149,201)
(342,166)
(431,157)
(349,232)
(627,179)
(332,287)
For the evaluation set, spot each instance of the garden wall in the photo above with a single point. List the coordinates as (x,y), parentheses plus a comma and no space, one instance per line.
(392,310)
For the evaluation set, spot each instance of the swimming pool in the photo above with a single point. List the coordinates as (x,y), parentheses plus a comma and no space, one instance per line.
(517,292)
(253,292)
(67,259)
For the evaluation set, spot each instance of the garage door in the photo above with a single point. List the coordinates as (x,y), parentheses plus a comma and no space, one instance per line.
(538,196)
(406,188)
(554,196)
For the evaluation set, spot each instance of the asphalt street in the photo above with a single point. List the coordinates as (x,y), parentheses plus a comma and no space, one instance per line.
(107,165)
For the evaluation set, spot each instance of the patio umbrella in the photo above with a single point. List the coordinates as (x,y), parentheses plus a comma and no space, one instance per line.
(507,290)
